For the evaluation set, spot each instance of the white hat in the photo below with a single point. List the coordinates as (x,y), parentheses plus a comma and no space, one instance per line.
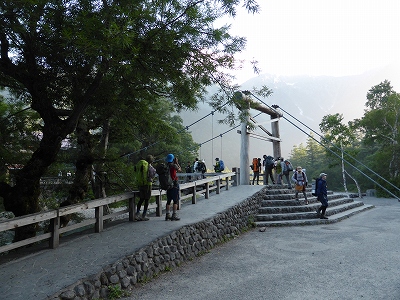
(322,174)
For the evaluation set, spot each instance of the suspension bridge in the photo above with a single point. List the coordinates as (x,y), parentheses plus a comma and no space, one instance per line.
(123,253)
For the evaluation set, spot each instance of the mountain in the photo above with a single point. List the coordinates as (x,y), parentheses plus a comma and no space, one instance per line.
(303,99)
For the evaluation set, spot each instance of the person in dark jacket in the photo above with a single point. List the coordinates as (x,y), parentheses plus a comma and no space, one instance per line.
(322,194)
(268,164)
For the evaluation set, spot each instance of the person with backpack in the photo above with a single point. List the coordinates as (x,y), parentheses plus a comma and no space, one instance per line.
(189,170)
(321,189)
(145,174)
(256,167)
(195,168)
(201,167)
(286,169)
(268,164)
(300,180)
(173,192)
(219,165)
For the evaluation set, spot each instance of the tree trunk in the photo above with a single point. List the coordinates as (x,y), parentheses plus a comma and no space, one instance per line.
(23,197)
(84,163)
(100,180)
(358,186)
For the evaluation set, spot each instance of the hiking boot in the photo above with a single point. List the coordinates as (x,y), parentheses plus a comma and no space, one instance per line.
(144,218)
(138,218)
(175,217)
(167,217)
(318,213)
(323,217)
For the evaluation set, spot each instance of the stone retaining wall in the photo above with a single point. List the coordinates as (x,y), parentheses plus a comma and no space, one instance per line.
(167,252)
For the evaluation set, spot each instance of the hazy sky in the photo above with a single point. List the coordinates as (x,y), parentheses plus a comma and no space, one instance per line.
(319,37)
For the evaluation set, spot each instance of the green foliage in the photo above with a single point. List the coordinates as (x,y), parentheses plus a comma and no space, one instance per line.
(369,143)
(115,292)
(111,64)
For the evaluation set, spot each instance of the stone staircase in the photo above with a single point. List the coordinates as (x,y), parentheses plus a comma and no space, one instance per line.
(280,208)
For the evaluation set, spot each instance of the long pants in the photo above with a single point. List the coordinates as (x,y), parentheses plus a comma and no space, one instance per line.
(287,180)
(268,172)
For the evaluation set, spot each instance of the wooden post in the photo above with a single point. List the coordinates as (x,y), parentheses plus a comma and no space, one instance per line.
(244,151)
(99,219)
(207,193)
(132,207)
(227,183)
(55,231)
(179,201)
(236,177)
(159,205)
(276,145)
(194,197)
(218,186)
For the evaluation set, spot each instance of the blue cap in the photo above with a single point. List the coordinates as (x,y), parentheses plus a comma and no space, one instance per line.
(170,158)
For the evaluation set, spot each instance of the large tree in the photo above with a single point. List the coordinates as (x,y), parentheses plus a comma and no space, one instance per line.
(57,54)
(380,125)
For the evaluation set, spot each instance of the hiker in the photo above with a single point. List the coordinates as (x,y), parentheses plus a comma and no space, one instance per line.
(201,167)
(300,179)
(268,164)
(219,165)
(256,167)
(286,169)
(173,193)
(145,174)
(196,162)
(322,193)
(189,170)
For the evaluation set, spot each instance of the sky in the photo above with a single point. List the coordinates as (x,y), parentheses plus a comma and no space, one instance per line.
(318,37)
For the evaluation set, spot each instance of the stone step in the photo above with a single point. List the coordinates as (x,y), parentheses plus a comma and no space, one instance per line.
(335,214)
(300,206)
(286,194)
(309,211)
(290,200)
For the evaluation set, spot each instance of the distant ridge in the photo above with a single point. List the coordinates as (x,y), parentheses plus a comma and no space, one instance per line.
(307,98)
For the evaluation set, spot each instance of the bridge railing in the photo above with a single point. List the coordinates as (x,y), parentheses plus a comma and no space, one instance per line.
(188,190)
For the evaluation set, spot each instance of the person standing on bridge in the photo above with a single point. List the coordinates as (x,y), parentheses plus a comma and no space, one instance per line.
(145,174)
(286,169)
(321,190)
(173,193)
(268,164)
(256,167)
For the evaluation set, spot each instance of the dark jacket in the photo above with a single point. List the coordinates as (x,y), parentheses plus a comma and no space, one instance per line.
(322,188)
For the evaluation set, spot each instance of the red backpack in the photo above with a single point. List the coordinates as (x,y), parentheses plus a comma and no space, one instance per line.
(256,166)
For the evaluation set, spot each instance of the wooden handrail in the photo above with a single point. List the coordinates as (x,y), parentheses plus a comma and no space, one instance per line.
(54,215)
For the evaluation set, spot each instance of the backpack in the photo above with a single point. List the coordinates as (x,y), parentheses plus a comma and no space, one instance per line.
(314,188)
(141,170)
(289,166)
(200,167)
(221,165)
(164,176)
(269,162)
(255,166)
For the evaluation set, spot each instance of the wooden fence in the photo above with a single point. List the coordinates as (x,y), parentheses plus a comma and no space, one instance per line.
(215,181)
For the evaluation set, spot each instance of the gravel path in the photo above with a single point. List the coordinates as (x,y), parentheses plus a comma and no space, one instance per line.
(358,258)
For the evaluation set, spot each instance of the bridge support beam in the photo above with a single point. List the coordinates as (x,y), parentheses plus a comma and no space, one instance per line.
(244,153)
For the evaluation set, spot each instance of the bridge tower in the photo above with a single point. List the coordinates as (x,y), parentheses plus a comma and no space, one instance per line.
(273,136)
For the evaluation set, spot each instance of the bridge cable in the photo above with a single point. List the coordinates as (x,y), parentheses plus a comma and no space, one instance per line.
(178,132)
(330,150)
